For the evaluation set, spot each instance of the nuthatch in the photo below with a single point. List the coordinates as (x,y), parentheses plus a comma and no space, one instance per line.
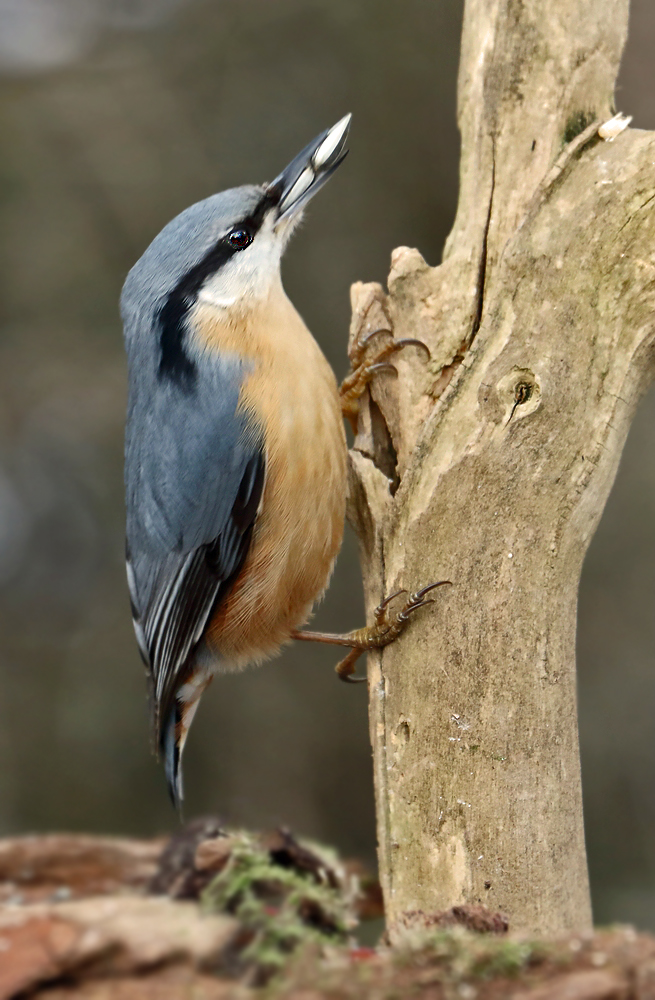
(235,462)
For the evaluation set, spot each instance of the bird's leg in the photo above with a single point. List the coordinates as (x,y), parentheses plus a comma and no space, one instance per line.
(386,628)
(366,361)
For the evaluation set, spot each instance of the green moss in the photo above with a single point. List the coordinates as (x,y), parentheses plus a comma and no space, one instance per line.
(507,959)
(577,123)
(464,956)
(280,908)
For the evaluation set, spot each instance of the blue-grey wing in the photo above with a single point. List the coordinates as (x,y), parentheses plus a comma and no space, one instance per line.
(195,470)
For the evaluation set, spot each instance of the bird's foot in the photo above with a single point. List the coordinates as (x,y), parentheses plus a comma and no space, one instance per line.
(369,356)
(388,625)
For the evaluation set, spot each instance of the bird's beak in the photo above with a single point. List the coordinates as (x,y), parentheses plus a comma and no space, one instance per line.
(309,171)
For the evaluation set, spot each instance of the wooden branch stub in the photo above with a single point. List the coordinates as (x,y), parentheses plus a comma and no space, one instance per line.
(541,326)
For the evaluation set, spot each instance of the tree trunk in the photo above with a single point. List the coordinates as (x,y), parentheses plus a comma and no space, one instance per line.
(490,466)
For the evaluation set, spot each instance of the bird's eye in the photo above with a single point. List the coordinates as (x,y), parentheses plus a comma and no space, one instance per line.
(239,239)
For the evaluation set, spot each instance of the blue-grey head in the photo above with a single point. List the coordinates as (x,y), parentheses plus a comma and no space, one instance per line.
(226,249)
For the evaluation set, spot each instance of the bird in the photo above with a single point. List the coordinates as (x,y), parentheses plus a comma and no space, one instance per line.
(235,449)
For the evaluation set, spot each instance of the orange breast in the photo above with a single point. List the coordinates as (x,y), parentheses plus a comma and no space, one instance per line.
(292,394)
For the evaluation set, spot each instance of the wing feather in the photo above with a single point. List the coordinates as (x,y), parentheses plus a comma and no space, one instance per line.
(194,487)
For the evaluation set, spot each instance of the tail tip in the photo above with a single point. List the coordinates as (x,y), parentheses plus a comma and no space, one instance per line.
(171,752)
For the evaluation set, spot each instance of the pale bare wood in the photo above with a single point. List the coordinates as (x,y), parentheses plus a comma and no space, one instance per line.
(491,465)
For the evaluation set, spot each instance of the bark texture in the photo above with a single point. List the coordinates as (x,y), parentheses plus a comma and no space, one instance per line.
(491,465)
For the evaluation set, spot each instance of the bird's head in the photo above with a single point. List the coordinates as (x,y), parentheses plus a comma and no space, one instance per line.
(226,250)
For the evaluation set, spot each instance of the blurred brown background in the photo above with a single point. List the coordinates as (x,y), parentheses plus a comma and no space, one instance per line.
(115,115)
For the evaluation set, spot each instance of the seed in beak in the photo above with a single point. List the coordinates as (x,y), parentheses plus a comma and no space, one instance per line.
(330,143)
(297,191)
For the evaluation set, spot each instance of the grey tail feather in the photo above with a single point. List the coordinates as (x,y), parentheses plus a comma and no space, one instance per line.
(170,751)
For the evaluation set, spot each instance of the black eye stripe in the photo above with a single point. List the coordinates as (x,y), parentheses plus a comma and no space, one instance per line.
(175,364)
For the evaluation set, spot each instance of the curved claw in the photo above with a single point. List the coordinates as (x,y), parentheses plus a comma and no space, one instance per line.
(411,342)
(346,668)
(406,612)
(383,604)
(420,594)
(374,333)
(382,366)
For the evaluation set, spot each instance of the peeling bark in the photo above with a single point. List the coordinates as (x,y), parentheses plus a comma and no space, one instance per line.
(504,449)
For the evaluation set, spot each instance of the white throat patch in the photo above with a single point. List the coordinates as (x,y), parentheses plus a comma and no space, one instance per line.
(248,276)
